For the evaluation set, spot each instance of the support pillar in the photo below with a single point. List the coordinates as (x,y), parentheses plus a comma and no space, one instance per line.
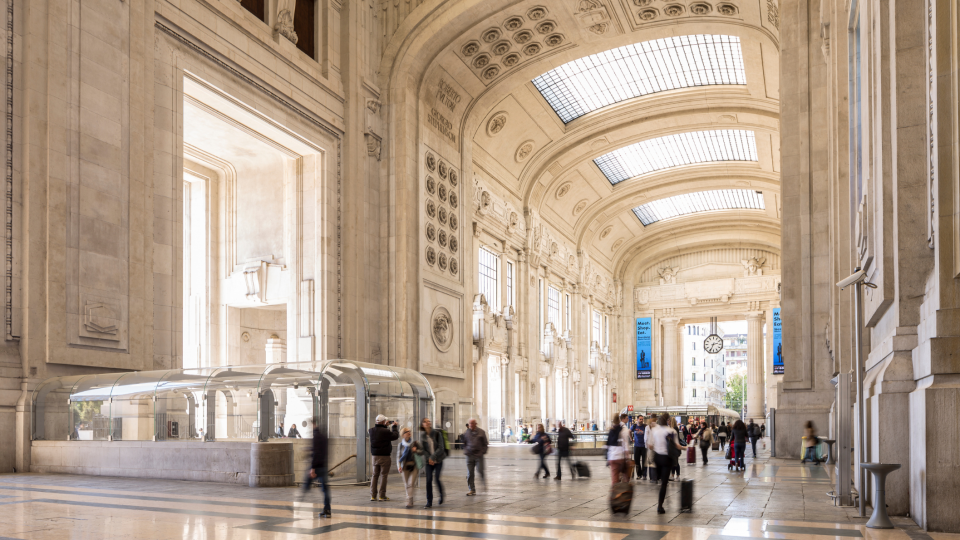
(755,388)
(671,362)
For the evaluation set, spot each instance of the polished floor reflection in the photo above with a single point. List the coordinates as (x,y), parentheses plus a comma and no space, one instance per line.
(772,499)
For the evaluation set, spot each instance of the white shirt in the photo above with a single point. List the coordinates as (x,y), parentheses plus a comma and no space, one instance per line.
(623,443)
(658,439)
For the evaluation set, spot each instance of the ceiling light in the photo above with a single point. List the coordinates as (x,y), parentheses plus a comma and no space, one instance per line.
(676,150)
(596,81)
(701,201)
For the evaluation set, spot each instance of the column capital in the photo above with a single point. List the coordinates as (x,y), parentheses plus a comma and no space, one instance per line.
(670,320)
(755,315)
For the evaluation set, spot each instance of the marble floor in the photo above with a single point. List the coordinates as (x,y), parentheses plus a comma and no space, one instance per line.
(772,499)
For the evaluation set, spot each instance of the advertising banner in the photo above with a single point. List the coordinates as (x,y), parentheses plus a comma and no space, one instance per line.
(777,344)
(644,348)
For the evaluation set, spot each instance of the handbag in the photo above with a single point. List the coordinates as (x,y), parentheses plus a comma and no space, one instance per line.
(727,455)
(672,449)
(418,460)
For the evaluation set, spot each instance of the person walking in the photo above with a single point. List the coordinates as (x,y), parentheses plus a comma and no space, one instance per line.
(475,445)
(318,470)
(738,438)
(382,436)
(722,435)
(618,449)
(294,433)
(706,439)
(564,436)
(640,448)
(810,441)
(675,470)
(763,430)
(753,431)
(542,448)
(280,432)
(663,441)
(408,463)
(431,441)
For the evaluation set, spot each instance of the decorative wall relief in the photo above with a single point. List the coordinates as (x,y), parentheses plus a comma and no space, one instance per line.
(668,276)
(753,266)
(496,123)
(606,232)
(442,190)
(284,25)
(101,319)
(773,13)
(563,190)
(580,207)
(524,151)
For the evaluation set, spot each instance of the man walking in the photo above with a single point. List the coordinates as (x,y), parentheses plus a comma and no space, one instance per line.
(753,432)
(318,470)
(475,444)
(381,445)
(640,448)
(564,436)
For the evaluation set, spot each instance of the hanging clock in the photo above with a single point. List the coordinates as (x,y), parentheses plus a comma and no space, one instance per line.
(713,343)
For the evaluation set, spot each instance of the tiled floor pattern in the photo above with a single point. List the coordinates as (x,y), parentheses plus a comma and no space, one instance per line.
(772,499)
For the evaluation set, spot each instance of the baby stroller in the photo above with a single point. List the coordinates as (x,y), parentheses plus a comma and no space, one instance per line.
(732,456)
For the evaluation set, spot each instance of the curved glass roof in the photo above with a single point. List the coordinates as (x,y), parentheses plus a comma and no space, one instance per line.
(593,82)
(676,150)
(701,201)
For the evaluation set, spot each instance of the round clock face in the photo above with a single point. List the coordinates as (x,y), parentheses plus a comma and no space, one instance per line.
(713,344)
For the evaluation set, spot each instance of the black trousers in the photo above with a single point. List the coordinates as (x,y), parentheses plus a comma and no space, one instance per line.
(703,452)
(664,464)
(563,454)
(640,459)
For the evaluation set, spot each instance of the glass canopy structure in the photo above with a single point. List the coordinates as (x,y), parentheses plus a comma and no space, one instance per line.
(233,403)
(676,150)
(701,201)
(596,81)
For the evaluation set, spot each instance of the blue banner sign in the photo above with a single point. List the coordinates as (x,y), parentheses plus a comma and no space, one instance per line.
(777,344)
(644,348)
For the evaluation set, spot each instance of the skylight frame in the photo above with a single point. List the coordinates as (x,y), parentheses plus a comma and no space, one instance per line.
(679,149)
(697,202)
(599,80)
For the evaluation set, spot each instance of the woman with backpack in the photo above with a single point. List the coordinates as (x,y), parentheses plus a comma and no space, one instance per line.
(409,463)
(739,442)
(542,447)
(706,439)
(432,443)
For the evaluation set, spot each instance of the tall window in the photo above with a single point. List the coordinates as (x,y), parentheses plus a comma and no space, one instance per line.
(553,307)
(694,360)
(488,278)
(304,21)
(694,392)
(596,327)
(606,331)
(569,324)
(856,132)
(694,376)
(509,283)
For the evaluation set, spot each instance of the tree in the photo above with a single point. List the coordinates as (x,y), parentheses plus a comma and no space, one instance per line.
(736,392)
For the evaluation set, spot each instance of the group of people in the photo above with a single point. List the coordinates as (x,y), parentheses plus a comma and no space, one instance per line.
(294,433)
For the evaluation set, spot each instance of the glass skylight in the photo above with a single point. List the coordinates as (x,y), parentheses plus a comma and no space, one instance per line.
(593,82)
(701,201)
(676,150)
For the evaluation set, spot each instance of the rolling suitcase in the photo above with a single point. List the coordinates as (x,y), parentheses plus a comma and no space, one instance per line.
(691,454)
(582,470)
(621,495)
(686,495)
(715,445)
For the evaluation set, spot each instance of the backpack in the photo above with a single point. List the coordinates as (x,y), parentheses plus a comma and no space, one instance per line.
(613,436)
(446,441)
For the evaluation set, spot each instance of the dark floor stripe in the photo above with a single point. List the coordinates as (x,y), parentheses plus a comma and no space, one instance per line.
(820,531)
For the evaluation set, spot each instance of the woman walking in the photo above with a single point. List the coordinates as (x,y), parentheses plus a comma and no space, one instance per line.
(739,441)
(661,439)
(408,461)
(722,435)
(675,469)
(431,441)
(542,448)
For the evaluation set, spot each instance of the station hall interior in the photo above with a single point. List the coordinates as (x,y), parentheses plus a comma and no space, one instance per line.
(228,222)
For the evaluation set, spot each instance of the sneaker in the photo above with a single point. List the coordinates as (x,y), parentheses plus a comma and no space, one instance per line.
(408,506)
(471,493)
(428,505)
(374,499)
(384,498)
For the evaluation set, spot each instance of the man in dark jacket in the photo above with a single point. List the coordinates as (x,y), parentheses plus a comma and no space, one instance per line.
(753,431)
(564,436)
(381,445)
(318,470)
(475,444)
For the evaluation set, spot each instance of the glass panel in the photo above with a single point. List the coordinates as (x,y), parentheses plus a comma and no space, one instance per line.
(701,201)
(596,81)
(132,406)
(677,150)
(553,307)
(229,404)
(90,408)
(178,406)
(295,402)
(52,409)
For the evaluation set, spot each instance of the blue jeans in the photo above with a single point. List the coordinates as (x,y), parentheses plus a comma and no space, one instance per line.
(811,454)
(543,466)
(740,449)
(433,471)
(324,485)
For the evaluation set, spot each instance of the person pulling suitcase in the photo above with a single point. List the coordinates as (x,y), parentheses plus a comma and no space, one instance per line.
(663,441)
